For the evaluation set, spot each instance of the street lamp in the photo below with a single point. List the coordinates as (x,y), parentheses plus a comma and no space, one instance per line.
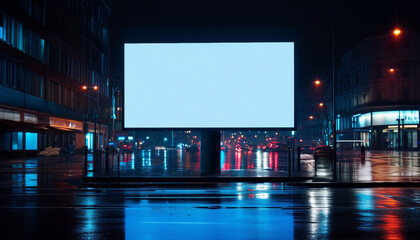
(397,32)
(311,117)
(116,90)
(321,104)
(89,89)
(317,82)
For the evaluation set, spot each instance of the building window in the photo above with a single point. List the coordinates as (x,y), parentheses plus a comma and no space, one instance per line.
(31,141)
(5,141)
(17,141)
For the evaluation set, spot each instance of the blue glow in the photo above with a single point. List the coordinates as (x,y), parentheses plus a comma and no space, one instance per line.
(17,140)
(148,220)
(133,165)
(258,75)
(366,206)
(31,179)
(31,141)
(130,138)
(89,140)
(121,138)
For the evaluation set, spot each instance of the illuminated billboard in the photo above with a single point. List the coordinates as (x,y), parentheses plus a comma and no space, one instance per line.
(209,85)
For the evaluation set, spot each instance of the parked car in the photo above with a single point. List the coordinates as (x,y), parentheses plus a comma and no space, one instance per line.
(323,151)
(307,149)
(276,147)
(224,148)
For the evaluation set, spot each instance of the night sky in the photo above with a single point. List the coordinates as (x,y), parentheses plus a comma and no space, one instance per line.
(308,23)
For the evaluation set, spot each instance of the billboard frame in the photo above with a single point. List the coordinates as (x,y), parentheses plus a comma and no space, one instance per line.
(124,128)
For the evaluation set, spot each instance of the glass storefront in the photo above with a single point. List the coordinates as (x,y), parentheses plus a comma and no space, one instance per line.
(381,129)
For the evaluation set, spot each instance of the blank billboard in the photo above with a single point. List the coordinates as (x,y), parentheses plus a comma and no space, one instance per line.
(209,85)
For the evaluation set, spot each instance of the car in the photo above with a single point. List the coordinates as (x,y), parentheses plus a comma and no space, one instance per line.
(323,151)
(307,149)
(277,147)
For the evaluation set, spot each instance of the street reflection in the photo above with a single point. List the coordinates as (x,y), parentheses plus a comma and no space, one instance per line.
(365,206)
(391,222)
(319,203)
(180,162)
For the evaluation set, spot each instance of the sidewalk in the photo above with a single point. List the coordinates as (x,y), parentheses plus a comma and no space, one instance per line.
(380,168)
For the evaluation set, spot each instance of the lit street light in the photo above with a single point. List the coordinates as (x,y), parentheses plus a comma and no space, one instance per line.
(397,32)
(317,82)
(321,104)
(95,142)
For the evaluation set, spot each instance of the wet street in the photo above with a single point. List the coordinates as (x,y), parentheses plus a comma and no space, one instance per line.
(211,211)
(44,198)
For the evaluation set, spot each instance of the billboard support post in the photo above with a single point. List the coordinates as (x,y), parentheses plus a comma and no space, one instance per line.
(210,152)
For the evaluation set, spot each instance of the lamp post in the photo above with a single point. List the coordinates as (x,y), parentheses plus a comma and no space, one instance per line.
(89,89)
(114,116)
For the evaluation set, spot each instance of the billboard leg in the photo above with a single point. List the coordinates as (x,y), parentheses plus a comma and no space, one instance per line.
(210,152)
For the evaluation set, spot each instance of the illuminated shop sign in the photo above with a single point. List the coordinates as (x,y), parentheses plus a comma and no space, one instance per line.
(390,117)
(364,120)
(384,118)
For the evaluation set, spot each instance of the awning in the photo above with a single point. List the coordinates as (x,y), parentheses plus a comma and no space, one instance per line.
(12,126)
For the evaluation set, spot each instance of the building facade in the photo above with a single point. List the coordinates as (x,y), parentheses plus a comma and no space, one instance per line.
(48,51)
(377,100)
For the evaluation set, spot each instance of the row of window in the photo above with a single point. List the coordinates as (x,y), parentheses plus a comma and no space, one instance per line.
(25,40)
(346,103)
(33,8)
(15,76)
(379,72)
(19,37)
(18,141)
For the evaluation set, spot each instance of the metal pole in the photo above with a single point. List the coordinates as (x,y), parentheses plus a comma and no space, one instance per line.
(107,159)
(399,131)
(95,140)
(118,164)
(288,164)
(333,96)
(298,158)
(85,152)
(402,134)
(293,159)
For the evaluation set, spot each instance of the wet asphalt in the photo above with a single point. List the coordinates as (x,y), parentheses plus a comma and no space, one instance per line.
(45,199)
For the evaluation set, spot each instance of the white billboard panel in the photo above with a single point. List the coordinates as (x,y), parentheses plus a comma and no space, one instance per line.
(209,85)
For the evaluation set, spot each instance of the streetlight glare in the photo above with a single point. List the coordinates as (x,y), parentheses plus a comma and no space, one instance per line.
(321,104)
(84,87)
(311,117)
(317,82)
(95,87)
(397,32)
(391,70)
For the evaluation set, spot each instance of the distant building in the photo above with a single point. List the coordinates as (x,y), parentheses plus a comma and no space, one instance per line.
(48,51)
(377,96)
